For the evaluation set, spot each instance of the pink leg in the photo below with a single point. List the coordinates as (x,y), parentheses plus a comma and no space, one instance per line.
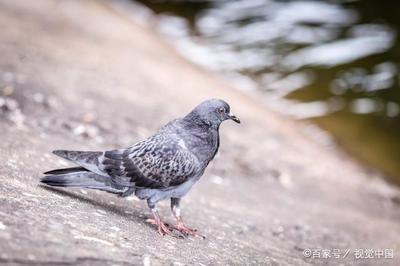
(180,225)
(161,227)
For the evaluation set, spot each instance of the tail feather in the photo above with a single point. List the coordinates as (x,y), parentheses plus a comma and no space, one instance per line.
(86,159)
(84,179)
(87,156)
(65,171)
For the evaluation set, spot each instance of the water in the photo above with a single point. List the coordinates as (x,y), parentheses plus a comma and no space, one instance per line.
(333,62)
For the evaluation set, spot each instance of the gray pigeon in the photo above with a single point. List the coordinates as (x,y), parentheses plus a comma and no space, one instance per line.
(163,166)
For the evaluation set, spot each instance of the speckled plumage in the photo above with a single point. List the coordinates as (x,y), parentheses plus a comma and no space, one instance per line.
(165,165)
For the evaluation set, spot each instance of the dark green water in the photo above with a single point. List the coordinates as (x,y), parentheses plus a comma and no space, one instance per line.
(337,62)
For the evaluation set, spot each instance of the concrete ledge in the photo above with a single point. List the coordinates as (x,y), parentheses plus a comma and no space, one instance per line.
(78,75)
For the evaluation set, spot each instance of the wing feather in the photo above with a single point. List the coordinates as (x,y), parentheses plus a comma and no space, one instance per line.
(158,162)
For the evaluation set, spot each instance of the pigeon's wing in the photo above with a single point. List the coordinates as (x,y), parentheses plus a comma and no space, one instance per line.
(158,162)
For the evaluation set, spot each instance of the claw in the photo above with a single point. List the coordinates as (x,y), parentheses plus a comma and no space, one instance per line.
(181,227)
(162,228)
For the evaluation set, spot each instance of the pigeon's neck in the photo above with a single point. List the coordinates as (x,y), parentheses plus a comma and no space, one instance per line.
(201,137)
(193,119)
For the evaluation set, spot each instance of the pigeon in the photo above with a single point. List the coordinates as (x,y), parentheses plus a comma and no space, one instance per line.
(163,166)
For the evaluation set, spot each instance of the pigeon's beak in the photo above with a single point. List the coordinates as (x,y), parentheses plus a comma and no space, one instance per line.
(234,118)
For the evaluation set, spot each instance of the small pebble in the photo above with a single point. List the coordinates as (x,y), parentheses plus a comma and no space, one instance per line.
(102,211)
(285,180)
(8,90)
(217,179)
(39,98)
(278,231)
(2,226)
(88,117)
(146,260)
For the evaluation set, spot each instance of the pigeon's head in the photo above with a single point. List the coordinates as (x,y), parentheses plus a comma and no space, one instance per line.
(214,112)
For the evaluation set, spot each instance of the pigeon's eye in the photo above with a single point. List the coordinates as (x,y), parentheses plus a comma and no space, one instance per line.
(221,110)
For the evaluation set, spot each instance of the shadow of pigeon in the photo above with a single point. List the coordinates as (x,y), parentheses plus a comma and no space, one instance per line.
(135,215)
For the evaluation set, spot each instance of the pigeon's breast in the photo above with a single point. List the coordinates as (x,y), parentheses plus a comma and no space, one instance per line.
(203,145)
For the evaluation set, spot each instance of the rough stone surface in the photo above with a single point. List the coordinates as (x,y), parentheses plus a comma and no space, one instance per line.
(79,75)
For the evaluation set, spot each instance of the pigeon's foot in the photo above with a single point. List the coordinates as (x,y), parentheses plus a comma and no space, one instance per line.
(162,228)
(186,231)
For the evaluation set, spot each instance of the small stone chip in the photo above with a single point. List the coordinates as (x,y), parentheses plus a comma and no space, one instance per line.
(2,226)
